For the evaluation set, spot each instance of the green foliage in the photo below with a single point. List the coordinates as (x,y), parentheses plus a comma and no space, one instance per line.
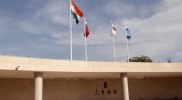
(140,59)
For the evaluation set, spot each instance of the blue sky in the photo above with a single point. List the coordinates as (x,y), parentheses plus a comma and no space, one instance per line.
(40,28)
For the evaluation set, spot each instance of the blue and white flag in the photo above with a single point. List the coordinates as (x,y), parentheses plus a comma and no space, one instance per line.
(128,34)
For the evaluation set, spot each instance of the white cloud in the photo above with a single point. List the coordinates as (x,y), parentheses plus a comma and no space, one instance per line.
(160,33)
(115,8)
(56,12)
(50,20)
(46,18)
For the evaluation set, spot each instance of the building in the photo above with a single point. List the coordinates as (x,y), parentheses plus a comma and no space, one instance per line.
(25,78)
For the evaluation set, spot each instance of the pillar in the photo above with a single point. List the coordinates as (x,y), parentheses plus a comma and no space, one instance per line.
(38,85)
(125,90)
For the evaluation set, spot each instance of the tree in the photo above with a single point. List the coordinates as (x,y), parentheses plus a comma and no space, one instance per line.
(141,58)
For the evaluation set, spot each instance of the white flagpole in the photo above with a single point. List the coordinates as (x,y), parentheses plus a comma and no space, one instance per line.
(71,45)
(127,47)
(114,50)
(85,40)
(86,48)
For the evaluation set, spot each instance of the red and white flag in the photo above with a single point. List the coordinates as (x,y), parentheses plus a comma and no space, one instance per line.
(113,31)
(86,29)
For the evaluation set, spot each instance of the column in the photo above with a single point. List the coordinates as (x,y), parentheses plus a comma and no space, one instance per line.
(38,85)
(125,90)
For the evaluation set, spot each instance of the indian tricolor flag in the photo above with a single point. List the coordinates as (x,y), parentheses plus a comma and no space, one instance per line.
(76,12)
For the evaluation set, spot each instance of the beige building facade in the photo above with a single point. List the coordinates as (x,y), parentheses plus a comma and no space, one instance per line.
(85,89)
(23,78)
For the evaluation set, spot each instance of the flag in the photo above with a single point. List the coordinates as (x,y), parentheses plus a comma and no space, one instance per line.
(76,12)
(128,34)
(86,29)
(113,31)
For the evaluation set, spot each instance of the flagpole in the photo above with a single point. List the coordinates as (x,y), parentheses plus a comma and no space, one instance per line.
(127,47)
(85,48)
(114,50)
(71,45)
(85,40)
